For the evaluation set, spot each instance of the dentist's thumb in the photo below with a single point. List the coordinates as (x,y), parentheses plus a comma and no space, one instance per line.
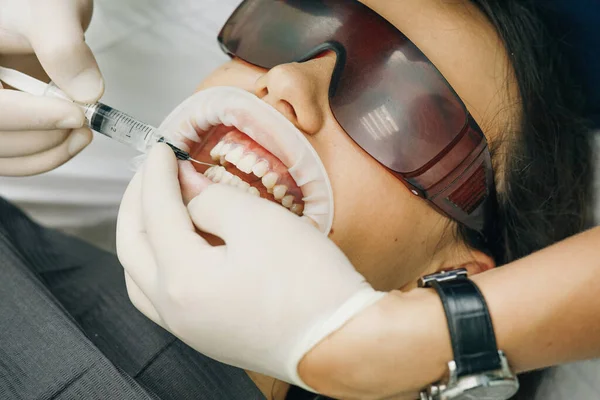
(57,38)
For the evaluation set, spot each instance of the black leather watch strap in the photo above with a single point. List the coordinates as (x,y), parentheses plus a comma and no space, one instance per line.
(471,331)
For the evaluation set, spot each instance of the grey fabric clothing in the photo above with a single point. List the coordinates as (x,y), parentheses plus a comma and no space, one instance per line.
(69,331)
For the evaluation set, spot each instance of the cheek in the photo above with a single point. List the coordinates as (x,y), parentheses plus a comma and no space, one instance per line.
(381,227)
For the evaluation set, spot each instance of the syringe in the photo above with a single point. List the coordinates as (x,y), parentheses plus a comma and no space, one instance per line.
(101,118)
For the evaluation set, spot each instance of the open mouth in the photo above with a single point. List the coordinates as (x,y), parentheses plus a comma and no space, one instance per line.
(256,149)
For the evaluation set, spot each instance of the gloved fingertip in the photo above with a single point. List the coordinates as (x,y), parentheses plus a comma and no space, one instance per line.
(71,122)
(192,182)
(87,86)
(309,221)
(162,153)
(78,140)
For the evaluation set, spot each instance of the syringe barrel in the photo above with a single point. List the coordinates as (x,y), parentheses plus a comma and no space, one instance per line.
(121,127)
(113,123)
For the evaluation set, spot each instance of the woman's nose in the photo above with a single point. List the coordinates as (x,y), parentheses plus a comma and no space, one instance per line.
(299,91)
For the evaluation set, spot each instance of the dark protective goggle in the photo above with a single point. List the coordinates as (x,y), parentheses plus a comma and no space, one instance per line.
(388,97)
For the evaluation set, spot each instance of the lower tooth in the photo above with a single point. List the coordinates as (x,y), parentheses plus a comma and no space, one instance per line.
(244,185)
(218,174)
(254,191)
(227,177)
(235,181)
(209,173)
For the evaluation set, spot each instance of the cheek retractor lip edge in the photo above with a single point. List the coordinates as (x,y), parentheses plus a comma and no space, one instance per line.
(235,107)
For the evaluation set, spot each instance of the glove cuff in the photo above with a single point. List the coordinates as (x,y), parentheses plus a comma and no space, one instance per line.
(323,328)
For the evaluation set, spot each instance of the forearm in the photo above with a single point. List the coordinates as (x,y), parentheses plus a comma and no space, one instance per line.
(544,310)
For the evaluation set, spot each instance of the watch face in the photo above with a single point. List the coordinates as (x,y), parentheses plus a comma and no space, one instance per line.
(499,392)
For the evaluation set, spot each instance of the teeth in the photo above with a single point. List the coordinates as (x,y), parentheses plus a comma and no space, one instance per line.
(287,201)
(235,181)
(246,163)
(297,209)
(279,191)
(225,149)
(270,179)
(215,153)
(261,168)
(222,160)
(209,173)
(243,185)
(235,155)
(227,177)
(218,174)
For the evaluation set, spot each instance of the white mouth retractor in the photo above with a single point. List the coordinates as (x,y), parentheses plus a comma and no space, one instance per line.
(261,122)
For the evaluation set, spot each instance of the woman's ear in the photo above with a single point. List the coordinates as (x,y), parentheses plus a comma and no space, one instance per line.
(478,262)
(474,261)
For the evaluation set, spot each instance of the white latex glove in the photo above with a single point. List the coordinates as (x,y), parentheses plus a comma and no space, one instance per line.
(259,302)
(38,134)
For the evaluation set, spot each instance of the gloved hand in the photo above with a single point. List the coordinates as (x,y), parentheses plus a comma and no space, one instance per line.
(259,302)
(38,134)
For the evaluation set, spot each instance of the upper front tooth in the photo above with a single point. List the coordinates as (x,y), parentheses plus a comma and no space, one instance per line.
(261,168)
(279,191)
(270,179)
(246,163)
(216,151)
(235,155)
(225,149)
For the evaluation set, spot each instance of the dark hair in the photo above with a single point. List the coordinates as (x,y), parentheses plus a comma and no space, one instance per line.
(545,186)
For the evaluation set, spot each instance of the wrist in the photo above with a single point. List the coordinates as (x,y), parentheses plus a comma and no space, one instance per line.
(397,346)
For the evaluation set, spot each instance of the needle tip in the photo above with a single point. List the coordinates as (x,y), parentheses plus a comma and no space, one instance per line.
(200,162)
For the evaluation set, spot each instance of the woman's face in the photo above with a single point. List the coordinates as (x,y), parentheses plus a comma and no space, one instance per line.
(391,236)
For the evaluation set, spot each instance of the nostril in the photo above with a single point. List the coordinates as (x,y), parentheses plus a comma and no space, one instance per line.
(289,110)
(262,92)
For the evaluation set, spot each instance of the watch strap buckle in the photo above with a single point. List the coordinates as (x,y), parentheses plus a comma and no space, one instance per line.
(443,276)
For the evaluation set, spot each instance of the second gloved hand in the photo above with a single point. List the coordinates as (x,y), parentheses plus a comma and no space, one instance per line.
(38,134)
(261,301)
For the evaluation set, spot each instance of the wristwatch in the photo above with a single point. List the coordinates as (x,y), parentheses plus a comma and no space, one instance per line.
(479,370)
